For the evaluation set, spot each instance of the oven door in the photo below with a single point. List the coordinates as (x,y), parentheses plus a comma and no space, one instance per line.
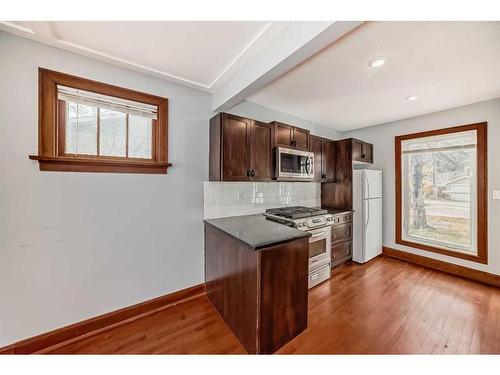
(319,248)
(294,164)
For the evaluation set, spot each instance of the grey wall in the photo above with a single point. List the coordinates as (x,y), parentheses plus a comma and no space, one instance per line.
(261,113)
(76,245)
(382,136)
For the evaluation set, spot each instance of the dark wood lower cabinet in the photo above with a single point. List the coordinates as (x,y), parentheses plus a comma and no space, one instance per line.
(341,232)
(342,241)
(283,292)
(261,294)
(341,253)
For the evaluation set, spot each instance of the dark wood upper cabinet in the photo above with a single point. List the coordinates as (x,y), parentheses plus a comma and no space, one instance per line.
(317,148)
(361,151)
(301,139)
(328,160)
(235,140)
(285,135)
(367,152)
(357,149)
(324,159)
(261,151)
(240,149)
(349,151)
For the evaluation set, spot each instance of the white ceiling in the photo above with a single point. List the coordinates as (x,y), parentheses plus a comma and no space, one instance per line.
(199,54)
(447,64)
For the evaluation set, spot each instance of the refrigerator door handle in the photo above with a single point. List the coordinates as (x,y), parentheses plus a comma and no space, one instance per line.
(367,201)
(367,186)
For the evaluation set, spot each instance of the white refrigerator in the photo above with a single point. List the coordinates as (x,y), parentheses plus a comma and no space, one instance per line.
(367,217)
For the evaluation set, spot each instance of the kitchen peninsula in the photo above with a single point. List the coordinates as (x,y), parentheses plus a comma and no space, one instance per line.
(256,274)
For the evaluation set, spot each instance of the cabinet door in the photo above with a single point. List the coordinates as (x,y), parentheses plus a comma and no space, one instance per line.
(341,233)
(328,161)
(357,150)
(341,252)
(301,139)
(235,149)
(367,155)
(261,151)
(283,135)
(316,147)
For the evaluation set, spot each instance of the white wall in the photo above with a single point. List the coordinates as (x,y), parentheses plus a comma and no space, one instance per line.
(222,199)
(382,136)
(76,245)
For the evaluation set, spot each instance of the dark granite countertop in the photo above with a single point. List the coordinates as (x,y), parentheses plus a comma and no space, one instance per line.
(335,211)
(256,230)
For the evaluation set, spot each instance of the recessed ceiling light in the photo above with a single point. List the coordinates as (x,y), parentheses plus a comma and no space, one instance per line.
(377,62)
(412,97)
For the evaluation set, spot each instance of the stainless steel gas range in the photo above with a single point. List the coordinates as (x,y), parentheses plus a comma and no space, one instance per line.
(317,222)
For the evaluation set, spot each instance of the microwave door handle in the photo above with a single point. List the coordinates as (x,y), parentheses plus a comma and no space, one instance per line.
(307,164)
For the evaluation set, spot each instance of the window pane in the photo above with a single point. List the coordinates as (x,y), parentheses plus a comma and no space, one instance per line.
(113,133)
(81,129)
(439,191)
(139,137)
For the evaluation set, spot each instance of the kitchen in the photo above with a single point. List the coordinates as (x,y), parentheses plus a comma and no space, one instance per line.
(314,187)
(243,149)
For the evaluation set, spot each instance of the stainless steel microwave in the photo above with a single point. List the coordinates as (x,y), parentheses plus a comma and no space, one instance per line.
(294,164)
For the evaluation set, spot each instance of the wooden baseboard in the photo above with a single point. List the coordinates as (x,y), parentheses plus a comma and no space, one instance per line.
(78,331)
(454,269)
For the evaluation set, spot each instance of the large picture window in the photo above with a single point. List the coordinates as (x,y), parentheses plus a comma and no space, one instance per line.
(88,126)
(441,191)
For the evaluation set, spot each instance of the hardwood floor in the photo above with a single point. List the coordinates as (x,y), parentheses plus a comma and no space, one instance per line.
(385,306)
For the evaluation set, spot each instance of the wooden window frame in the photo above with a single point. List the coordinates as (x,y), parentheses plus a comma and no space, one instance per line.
(482,192)
(51,137)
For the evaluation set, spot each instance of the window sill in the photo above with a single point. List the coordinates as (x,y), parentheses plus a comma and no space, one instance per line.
(74,164)
(482,256)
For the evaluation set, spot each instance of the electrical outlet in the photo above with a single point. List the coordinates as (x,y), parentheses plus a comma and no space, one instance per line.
(496,194)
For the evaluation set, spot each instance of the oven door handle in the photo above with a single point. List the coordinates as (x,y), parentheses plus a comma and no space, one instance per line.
(322,233)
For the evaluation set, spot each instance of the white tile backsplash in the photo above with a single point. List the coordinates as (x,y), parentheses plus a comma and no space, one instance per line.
(222,199)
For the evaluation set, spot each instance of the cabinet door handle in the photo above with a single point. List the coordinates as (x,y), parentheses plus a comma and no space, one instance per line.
(363,156)
(252,173)
(248,172)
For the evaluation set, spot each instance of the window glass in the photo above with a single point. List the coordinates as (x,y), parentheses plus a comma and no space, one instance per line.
(112,133)
(81,129)
(140,136)
(439,191)
(120,134)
